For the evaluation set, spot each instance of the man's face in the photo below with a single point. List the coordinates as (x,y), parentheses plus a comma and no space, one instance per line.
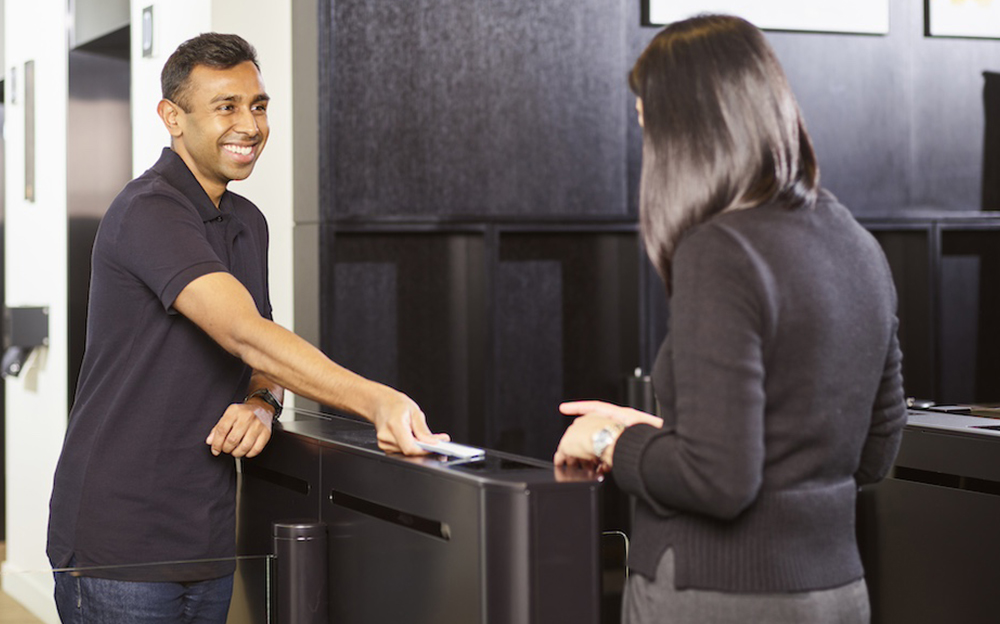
(225,130)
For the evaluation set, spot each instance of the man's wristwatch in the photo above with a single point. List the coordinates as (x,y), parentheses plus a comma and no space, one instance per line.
(265,395)
(604,437)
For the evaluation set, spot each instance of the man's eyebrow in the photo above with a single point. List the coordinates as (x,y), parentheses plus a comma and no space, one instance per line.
(228,97)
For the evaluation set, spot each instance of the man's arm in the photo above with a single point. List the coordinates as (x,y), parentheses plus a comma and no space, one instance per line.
(220,305)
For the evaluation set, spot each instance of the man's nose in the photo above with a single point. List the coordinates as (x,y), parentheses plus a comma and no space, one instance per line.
(247,123)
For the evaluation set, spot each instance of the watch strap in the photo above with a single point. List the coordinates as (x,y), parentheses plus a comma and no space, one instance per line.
(265,395)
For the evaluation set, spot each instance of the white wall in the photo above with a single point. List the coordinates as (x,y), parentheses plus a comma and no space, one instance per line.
(174,21)
(35,273)
(267,24)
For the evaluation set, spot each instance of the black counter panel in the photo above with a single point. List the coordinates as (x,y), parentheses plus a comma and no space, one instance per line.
(506,540)
(928,533)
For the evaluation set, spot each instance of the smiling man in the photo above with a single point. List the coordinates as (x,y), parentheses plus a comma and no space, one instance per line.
(184,370)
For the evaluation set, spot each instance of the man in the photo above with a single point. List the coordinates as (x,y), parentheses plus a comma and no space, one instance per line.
(183,369)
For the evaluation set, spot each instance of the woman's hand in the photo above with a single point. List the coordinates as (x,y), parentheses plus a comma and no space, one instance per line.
(625,415)
(577,445)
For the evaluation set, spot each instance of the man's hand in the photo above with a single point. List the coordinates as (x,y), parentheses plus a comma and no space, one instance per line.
(399,423)
(243,431)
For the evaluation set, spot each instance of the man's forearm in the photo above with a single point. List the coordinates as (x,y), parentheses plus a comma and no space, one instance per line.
(281,359)
(222,307)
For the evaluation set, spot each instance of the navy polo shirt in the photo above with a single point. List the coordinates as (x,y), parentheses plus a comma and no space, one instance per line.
(136,482)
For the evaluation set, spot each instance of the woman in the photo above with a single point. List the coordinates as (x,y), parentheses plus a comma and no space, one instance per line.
(779,381)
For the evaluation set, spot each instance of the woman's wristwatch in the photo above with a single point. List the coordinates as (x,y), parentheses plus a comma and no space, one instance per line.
(265,395)
(603,438)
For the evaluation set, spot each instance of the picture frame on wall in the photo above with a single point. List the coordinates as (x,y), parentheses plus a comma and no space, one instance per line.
(947,18)
(866,17)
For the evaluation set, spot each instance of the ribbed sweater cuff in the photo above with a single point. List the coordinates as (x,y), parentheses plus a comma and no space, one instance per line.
(627,459)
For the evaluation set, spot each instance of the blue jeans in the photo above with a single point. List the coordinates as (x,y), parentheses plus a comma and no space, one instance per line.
(88,600)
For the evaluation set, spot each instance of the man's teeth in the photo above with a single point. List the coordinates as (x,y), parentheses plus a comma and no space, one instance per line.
(237,149)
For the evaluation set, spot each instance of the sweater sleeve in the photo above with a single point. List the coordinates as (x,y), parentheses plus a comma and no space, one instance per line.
(711,461)
(888,419)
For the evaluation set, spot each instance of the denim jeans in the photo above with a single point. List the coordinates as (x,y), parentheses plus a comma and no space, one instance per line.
(88,600)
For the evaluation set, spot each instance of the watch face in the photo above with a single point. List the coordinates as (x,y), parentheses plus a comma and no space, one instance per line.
(601,441)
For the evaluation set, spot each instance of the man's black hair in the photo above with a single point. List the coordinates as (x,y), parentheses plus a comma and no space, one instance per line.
(215,50)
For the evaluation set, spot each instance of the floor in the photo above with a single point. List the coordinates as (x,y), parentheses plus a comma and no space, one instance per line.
(12,612)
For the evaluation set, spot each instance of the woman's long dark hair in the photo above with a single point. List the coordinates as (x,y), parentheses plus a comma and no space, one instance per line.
(721,130)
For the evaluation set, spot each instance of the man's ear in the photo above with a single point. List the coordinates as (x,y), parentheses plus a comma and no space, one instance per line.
(170,112)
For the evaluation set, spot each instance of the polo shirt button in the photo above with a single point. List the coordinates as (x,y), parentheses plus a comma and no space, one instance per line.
(219,218)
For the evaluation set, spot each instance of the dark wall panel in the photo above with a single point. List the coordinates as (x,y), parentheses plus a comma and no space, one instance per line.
(513,108)
(960,278)
(855,94)
(948,120)
(970,302)
(909,252)
(897,120)
(567,327)
(366,298)
(408,311)
(529,356)
(480,107)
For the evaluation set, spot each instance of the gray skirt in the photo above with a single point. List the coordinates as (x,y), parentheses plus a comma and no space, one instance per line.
(659,602)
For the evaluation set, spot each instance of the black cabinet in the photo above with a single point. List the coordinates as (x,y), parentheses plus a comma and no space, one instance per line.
(506,540)
(928,532)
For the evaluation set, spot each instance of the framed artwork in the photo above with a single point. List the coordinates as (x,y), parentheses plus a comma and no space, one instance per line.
(869,17)
(962,18)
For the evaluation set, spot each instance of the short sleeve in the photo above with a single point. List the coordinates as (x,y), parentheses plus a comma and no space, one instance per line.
(163,243)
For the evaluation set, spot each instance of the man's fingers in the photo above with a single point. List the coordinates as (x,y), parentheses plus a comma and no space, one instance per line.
(235,436)
(259,445)
(244,445)
(387,443)
(240,433)
(253,442)
(420,428)
(219,436)
(402,431)
(423,433)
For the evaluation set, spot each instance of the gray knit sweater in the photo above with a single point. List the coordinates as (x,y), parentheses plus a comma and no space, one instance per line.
(781,393)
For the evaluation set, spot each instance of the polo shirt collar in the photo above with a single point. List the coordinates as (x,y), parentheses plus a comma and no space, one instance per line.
(175,171)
